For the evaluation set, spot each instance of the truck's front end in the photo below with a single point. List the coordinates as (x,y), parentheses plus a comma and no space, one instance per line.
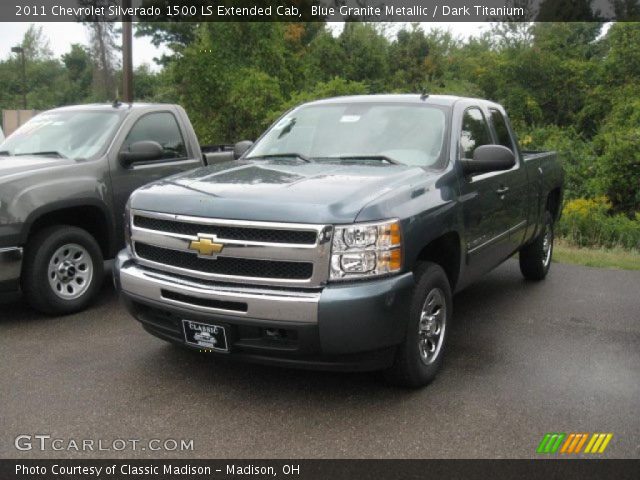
(276,292)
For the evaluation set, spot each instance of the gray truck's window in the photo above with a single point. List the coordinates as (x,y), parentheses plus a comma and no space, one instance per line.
(77,134)
(159,127)
(410,134)
(475,132)
(504,138)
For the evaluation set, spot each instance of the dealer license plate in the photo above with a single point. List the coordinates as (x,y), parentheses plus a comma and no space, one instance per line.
(204,335)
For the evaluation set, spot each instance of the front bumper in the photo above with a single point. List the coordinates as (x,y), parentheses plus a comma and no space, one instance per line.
(343,327)
(10,267)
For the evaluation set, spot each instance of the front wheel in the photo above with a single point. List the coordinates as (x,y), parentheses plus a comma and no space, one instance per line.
(63,270)
(535,258)
(419,357)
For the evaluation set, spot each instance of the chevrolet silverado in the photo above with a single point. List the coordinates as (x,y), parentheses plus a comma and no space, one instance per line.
(337,240)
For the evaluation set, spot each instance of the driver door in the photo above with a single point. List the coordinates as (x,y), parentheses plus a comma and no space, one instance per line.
(485,212)
(161,127)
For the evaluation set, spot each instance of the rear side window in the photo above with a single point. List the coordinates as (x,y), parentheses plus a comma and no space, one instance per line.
(475,133)
(499,123)
(160,127)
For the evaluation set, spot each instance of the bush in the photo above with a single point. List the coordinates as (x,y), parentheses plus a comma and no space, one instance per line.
(588,222)
(576,154)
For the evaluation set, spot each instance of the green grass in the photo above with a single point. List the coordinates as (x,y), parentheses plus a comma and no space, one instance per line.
(596,257)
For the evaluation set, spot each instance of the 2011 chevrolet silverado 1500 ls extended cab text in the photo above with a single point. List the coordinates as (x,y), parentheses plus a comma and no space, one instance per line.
(65,177)
(336,240)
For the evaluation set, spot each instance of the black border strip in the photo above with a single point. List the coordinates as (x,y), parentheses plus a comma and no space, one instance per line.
(324,469)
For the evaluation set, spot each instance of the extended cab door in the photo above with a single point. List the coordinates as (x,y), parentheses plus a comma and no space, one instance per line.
(163,127)
(485,203)
(515,180)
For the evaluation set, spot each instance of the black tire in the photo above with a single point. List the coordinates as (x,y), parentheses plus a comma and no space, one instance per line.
(535,258)
(39,252)
(411,368)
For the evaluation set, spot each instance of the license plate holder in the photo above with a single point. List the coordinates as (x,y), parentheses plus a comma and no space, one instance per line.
(205,335)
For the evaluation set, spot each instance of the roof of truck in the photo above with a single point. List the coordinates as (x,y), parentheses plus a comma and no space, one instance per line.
(111,106)
(444,100)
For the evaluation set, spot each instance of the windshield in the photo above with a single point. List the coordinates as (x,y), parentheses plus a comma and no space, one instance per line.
(71,134)
(408,134)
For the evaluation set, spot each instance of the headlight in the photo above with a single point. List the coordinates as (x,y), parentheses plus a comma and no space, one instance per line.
(365,250)
(127,226)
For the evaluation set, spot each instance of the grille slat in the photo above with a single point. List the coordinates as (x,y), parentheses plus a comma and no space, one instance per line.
(249,234)
(241,267)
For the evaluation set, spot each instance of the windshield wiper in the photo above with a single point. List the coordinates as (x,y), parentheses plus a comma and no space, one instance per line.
(382,158)
(5,153)
(302,157)
(51,153)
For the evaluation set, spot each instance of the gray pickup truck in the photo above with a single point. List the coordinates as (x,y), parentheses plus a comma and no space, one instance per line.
(65,177)
(337,240)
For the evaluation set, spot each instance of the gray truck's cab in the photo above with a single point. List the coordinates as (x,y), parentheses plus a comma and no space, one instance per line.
(337,240)
(65,177)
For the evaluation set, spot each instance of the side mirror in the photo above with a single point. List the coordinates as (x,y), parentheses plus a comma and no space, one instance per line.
(489,158)
(241,147)
(143,151)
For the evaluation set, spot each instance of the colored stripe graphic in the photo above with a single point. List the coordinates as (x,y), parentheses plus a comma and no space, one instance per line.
(573,443)
(551,442)
(598,442)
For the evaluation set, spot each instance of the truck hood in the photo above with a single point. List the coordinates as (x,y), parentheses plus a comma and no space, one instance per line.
(11,166)
(275,190)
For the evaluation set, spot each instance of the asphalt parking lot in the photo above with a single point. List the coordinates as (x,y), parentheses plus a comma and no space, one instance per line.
(524,359)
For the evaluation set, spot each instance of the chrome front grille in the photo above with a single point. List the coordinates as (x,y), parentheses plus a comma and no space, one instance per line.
(244,267)
(229,232)
(260,253)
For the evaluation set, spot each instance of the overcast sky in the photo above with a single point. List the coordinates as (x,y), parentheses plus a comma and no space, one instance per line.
(62,35)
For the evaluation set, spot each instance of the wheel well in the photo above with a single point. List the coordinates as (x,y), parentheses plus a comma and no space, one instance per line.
(553,203)
(89,218)
(445,251)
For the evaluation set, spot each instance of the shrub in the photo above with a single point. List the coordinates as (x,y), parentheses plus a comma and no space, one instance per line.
(588,222)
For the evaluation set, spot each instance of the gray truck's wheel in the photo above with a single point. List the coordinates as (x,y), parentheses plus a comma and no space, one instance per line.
(535,258)
(419,357)
(63,270)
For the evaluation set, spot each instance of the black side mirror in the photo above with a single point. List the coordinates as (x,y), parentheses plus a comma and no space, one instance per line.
(142,151)
(241,147)
(489,158)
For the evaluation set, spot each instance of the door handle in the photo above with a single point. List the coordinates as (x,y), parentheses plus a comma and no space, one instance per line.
(502,190)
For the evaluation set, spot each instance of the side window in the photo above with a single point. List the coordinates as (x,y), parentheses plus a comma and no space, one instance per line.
(159,127)
(499,123)
(475,132)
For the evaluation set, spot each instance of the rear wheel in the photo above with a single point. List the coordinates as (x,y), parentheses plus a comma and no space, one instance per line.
(63,270)
(535,258)
(419,357)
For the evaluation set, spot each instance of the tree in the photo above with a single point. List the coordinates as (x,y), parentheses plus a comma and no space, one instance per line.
(176,36)
(619,144)
(79,73)
(44,74)
(365,50)
(408,57)
(103,47)
(35,44)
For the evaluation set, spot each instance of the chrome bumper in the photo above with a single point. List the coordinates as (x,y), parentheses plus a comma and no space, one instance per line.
(10,263)
(262,304)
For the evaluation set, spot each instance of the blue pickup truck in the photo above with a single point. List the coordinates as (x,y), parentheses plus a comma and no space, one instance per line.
(338,238)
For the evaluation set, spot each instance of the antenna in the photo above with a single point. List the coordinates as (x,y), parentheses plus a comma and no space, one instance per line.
(116,103)
(424,96)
